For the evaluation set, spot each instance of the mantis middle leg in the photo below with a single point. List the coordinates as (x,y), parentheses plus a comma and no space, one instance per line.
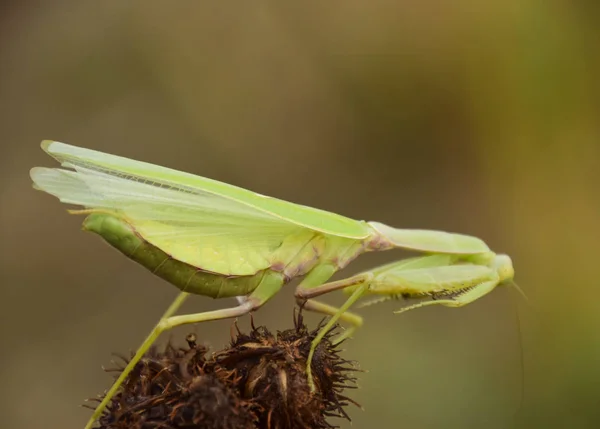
(354,320)
(312,287)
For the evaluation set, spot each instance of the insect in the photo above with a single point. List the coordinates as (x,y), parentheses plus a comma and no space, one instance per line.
(217,240)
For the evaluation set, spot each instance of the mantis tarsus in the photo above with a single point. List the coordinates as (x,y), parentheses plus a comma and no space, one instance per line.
(218,240)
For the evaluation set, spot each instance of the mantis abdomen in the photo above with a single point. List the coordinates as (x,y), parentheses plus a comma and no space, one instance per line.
(121,235)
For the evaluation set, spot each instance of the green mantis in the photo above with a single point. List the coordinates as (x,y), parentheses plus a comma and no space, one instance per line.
(213,239)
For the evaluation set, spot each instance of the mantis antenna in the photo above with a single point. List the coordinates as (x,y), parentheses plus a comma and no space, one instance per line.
(521,354)
(518,289)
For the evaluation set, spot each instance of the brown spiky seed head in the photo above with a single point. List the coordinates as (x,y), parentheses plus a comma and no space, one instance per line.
(259,381)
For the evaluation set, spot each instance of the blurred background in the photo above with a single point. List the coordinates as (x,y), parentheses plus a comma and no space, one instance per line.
(475,118)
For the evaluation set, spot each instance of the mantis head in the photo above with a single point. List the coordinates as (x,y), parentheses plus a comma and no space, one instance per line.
(503,265)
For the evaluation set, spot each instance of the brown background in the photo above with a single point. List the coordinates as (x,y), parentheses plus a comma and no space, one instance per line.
(478,118)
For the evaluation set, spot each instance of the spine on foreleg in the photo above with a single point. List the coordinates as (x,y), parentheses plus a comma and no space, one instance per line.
(122,236)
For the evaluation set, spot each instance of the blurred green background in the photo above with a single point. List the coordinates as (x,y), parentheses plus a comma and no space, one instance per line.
(474,117)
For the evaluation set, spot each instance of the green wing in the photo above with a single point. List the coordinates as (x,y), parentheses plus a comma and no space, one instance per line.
(434,279)
(208,224)
(308,217)
(431,241)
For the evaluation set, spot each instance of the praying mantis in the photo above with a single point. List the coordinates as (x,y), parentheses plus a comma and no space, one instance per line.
(214,239)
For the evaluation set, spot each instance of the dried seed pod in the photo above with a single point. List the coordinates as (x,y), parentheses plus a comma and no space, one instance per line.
(259,381)
(272,371)
(177,389)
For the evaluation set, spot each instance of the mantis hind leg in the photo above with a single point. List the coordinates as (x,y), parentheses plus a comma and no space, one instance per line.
(265,290)
(136,358)
(464,298)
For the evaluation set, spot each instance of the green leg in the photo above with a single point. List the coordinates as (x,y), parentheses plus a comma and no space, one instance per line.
(140,352)
(334,318)
(306,290)
(265,290)
(312,287)
(354,320)
(304,293)
(466,298)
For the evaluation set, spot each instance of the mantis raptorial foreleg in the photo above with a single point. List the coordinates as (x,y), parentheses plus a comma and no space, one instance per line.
(451,283)
(459,300)
(260,295)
